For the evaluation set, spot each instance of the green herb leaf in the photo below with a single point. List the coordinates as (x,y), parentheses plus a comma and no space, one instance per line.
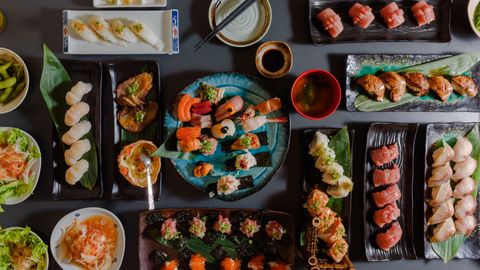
(54,84)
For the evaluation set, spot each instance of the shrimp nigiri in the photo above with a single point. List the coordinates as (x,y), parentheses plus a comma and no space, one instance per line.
(83,30)
(147,34)
(103,29)
(258,121)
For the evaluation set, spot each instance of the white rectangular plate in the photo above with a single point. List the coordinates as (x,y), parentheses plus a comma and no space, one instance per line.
(164,23)
(129,3)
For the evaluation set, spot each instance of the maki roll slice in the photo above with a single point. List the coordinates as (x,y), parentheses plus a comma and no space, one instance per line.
(230,264)
(183,221)
(245,249)
(219,253)
(223,225)
(169,229)
(261,215)
(197,227)
(179,242)
(257,263)
(157,257)
(197,262)
(210,238)
(275,230)
(154,218)
(170,265)
(249,227)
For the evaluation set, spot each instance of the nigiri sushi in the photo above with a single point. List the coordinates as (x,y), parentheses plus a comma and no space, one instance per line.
(76,132)
(202,121)
(387,176)
(440,214)
(465,207)
(315,202)
(324,219)
(372,85)
(392,15)
(223,129)
(464,85)
(338,250)
(76,151)
(440,194)
(256,263)
(384,154)
(387,196)
(184,107)
(122,31)
(269,106)
(335,232)
(386,240)
(462,149)
(229,108)
(141,30)
(441,87)
(331,22)
(442,155)
(440,175)
(386,215)
(464,168)
(464,187)
(230,264)
(416,82)
(211,93)
(209,146)
(443,231)
(395,84)
(74,173)
(103,29)
(246,141)
(361,15)
(75,113)
(466,225)
(75,94)
(83,30)
(423,12)
(202,108)
(258,121)
(197,262)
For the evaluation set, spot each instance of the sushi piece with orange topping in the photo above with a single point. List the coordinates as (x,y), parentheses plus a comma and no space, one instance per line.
(190,145)
(197,262)
(188,133)
(170,265)
(257,263)
(279,265)
(231,264)
(269,106)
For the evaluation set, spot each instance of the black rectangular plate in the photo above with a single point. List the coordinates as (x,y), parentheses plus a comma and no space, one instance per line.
(88,72)
(435,132)
(437,31)
(118,187)
(380,134)
(311,172)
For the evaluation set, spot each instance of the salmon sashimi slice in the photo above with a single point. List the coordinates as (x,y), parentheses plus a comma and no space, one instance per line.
(184,106)
(331,22)
(386,215)
(386,177)
(386,240)
(361,15)
(392,15)
(387,196)
(269,106)
(423,12)
(384,154)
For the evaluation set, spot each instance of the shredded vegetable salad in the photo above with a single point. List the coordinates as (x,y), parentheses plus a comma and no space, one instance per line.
(17,157)
(22,249)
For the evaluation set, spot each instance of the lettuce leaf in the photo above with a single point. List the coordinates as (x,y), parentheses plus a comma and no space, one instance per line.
(11,239)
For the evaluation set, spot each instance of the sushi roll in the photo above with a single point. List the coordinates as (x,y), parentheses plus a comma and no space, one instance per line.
(197,227)
(246,249)
(249,227)
(170,265)
(122,31)
(227,185)
(154,218)
(219,253)
(183,219)
(197,262)
(141,30)
(223,225)
(275,230)
(157,257)
(318,145)
(256,263)
(83,31)
(103,29)
(169,229)
(230,264)
(210,237)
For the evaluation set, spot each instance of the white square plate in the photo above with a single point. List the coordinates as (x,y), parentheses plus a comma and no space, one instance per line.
(129,3)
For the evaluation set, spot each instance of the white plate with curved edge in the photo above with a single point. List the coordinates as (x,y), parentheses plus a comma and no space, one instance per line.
(47,260)
(129,3)
(36,168)
(12,105)
(472,5)
(245,30)
(82,214)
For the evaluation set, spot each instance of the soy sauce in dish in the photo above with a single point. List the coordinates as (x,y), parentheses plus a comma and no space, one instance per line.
(273,60)
(314,96)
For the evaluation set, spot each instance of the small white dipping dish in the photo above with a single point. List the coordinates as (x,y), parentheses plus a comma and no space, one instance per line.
(472,5)
(12,105)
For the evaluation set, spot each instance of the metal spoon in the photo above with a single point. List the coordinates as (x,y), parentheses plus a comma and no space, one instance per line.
(147,161)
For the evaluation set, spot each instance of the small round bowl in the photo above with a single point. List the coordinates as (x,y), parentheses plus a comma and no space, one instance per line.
(287,58)
(47,259)
(334,87)
(12,105)
(472,5)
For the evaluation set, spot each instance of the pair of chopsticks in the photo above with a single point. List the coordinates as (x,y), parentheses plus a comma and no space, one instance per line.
(232,16)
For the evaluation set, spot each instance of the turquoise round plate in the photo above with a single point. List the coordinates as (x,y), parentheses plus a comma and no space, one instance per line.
(278,135)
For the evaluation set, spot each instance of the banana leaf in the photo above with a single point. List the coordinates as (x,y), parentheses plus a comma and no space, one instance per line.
(54,84)
(450,66)
(448,249)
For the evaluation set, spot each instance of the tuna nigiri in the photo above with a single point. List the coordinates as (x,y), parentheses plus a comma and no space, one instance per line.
(386,215)
(331,22)
(386,240)
(392,15)
(229,108)
(384,154)
(386,177)
(387,196)
(423,12)
(361,15)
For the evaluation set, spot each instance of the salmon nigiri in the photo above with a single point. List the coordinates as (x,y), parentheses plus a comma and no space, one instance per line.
(269,106)
(331,22)
(423,12)
(392,15)
(361,15)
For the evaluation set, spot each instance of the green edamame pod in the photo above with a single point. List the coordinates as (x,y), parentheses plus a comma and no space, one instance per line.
(5,94)
(8,83)
(18,89)
(4,67)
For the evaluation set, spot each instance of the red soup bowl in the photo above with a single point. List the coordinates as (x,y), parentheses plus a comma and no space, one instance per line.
(316,94)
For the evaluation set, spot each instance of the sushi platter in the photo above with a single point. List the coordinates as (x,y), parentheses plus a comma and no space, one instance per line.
(251,148)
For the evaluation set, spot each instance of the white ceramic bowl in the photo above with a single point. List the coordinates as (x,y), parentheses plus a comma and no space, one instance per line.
(12,105)
(472,5)
(36,168)
(82,214)
(32,232)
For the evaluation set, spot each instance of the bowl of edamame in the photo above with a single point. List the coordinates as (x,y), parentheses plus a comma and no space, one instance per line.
(14,80)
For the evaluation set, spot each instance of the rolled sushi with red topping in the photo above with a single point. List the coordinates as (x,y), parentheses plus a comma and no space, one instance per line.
(231,264)
(249,227)
(197,227)
(275,230)
(169,229)
(278,265)
(197,262)
(223,225)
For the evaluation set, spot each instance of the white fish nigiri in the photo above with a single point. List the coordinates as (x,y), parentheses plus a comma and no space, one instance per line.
(76,151)
(75,173)
(122,31)
(462,148)
(444,231)
(465,207)
(77,92)
(443,212)
(75,113)
(464,168)
(442,155)
(141,30)
(76,132)
(83,30)
(440,194)
(464,187)
(466,225)
(440,175)
(103,29)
